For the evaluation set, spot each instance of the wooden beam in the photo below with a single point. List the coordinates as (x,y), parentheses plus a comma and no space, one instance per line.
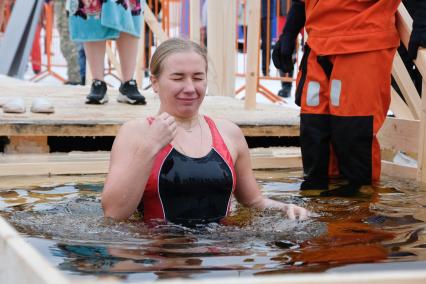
(154,25)
(404,24)
(21,263)
(270,130)
(27,144)
(89,163)
(221,36)
(399,107)
(252,73)
(406,86)
(90,129)
(394,170)
(399,134)
(140,61)
(421,161)
(80,129)
(194,20)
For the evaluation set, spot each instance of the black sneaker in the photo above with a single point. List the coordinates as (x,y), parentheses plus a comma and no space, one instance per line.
(129,93)
(97,93)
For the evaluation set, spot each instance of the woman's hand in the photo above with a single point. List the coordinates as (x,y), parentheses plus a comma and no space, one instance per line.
(295,212)
(292,211)
(161,131)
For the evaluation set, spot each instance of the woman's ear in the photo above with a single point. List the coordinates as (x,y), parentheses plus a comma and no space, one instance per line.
(154,83)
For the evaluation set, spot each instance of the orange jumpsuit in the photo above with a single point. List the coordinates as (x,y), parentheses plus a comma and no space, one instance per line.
(343,87)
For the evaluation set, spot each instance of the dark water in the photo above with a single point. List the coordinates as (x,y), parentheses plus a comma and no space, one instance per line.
(382,226)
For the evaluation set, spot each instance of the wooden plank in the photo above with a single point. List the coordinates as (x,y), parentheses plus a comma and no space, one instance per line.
(368,277)
(21,263)
(406,86)
(27,144)
(221,35)
(399,107)
(394,170)
(252,73)
(421,174)
(98,162)
(194,20)
(399,134)
(404,23)
(54,164)
(87,129)
(140,61)
(270,130)
(153,24)
(73,117)
(93,129)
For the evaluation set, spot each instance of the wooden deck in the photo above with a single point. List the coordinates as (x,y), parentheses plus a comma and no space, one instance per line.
(73,117)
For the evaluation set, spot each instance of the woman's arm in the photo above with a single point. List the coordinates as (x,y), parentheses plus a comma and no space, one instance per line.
(247,191)
(132,157)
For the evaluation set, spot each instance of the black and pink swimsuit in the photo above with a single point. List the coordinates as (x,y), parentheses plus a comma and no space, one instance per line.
(190,191)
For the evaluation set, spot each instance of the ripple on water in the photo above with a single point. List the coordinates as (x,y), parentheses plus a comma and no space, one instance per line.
(384,222)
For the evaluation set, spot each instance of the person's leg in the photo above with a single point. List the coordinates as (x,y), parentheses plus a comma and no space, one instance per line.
(95,54)
(82,63)
(127,46)
(359,101)
(127,50)
(315,132)
(68,48)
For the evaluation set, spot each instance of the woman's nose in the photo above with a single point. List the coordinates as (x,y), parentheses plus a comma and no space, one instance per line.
(189,85)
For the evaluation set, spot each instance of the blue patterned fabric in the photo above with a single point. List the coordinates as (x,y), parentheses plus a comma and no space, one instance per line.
(96,20)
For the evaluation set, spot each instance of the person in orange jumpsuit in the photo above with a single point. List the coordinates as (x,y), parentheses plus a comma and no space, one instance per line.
(343,86)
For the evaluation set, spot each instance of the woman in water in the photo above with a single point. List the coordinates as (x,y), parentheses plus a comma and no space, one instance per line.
(182,166)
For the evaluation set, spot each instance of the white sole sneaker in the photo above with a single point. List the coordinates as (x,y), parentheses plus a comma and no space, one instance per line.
(124,99)
(96,102)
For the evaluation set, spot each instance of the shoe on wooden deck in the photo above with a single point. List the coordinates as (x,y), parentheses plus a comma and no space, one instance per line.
(129,93)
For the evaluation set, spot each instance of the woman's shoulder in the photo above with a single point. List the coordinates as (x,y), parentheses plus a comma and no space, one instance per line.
(133,127)
(228,128)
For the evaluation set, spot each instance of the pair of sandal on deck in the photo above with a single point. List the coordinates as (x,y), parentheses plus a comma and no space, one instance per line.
(17,105)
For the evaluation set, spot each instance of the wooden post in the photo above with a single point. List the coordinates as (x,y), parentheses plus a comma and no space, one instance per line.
(141,57)
(421,161)
(406,86)
(252,73)
(194,20)
(153,24)
(221,35)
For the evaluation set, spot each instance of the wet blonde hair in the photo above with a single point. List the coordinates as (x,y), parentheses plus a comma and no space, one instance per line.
(172,46)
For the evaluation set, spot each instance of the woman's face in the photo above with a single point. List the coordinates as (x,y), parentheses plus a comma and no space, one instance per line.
(182,84)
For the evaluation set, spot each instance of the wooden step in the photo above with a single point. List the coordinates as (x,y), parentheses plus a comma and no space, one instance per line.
(98,162)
